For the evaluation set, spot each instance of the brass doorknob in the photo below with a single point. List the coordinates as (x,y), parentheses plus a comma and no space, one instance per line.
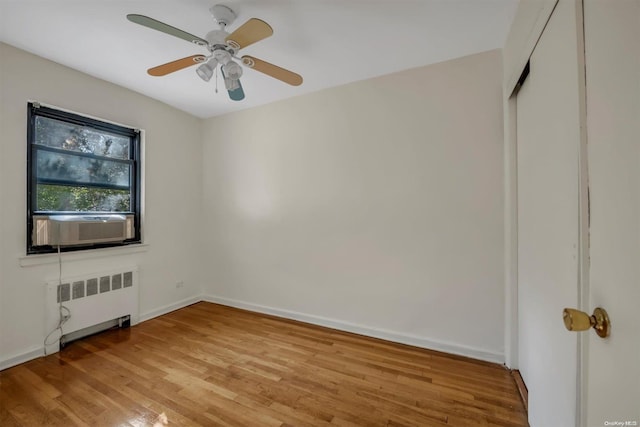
(576,320)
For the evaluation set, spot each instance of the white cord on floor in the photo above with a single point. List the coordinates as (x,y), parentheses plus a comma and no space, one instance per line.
(64,317)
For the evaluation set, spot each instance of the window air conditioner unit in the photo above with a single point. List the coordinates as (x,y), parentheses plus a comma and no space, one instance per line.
(72,230)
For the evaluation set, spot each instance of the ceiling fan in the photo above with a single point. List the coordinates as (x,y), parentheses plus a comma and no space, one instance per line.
(223,48)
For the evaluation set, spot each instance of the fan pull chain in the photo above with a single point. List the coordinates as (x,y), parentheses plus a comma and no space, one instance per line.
(216,79)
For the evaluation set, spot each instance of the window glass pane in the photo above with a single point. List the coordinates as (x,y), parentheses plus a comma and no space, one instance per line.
(81,199)
(70,168)
(80,165)
(68,136)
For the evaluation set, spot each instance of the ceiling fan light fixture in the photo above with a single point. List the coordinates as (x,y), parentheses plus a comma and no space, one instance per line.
(205,71)
(232,70)
(231,84)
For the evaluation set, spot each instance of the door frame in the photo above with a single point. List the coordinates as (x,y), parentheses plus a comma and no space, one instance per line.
(510,89)
(512,82)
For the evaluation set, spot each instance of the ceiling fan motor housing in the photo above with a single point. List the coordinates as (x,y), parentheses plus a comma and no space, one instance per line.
(216,37)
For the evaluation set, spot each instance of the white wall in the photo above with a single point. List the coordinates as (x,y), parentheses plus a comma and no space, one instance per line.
(375,207)
(172,172)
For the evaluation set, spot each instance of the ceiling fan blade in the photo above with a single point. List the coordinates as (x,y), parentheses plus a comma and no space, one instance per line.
(250,32)
(179,64)
(272,70)
(236,94)
(165,28)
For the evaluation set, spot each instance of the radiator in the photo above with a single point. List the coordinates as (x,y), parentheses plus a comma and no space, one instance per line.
(96,301)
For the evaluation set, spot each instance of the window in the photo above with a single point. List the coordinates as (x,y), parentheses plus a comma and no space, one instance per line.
(77,165)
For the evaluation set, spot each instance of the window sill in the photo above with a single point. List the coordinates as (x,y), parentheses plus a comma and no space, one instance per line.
(34,260)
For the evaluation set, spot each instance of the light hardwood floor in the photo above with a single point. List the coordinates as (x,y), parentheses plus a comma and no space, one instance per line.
(209,365)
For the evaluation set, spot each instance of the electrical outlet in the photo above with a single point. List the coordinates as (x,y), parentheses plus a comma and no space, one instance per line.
(180,284)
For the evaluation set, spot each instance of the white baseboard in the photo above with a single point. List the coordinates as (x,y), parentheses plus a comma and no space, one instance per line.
(21,358)
(416,341)
(169,308)
(413,340)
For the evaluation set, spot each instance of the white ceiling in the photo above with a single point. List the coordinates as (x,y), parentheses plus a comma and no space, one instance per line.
(328,42)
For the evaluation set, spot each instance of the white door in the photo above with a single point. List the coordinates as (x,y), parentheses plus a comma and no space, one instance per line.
(548,143)
(612,54)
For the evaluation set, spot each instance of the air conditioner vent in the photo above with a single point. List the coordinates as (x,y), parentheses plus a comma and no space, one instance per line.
(97,231)
(70,230)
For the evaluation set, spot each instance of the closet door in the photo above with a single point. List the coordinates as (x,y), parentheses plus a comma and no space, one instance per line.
(548,144)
